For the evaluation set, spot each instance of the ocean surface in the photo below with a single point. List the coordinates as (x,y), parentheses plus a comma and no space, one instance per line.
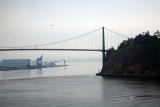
(74,86)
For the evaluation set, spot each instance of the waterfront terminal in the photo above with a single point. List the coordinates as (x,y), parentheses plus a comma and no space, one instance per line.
(14,64)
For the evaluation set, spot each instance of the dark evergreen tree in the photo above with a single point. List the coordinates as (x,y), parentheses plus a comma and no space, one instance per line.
(142,39)
(109,52)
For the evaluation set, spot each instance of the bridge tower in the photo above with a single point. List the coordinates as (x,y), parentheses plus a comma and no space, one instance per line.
(103,45)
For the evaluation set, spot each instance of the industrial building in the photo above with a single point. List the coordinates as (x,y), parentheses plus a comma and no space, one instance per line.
(15,63)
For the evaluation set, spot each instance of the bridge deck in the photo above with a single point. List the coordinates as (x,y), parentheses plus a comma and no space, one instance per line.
(51,50)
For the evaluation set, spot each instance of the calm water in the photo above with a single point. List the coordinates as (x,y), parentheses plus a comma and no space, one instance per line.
(74,86)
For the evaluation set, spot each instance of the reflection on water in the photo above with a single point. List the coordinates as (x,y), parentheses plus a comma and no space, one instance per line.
(78,68)
(39,72)
(14,74)
(74,86)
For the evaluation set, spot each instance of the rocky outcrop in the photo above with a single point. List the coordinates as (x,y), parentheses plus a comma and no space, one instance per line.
(137,59)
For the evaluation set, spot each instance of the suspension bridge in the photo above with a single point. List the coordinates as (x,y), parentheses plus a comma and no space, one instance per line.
(91,41)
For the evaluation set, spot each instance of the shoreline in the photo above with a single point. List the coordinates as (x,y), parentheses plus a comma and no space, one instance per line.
(132,76)
(30,68)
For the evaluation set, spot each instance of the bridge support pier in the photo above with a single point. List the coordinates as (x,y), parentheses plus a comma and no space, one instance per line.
(103,46)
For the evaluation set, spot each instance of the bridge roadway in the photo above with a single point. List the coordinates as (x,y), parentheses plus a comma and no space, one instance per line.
(41,49)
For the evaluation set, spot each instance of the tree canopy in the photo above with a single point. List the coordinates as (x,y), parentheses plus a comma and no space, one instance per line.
(142,39)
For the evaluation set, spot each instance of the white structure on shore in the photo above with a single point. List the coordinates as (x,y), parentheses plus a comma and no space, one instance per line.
(15,63)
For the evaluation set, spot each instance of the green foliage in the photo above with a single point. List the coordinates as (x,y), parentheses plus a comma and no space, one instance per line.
(142,39)
(157,33)
(140,55)
(126,43)
(109,52)
(147,57)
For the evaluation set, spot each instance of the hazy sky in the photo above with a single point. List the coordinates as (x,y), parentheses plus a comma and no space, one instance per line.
(27,22)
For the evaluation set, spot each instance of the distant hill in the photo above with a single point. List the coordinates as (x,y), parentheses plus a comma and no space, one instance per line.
(139,55)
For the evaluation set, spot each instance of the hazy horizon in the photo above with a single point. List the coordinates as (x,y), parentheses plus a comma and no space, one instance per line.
(33,22)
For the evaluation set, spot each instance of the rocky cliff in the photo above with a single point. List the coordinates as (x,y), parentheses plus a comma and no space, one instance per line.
(134,59)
